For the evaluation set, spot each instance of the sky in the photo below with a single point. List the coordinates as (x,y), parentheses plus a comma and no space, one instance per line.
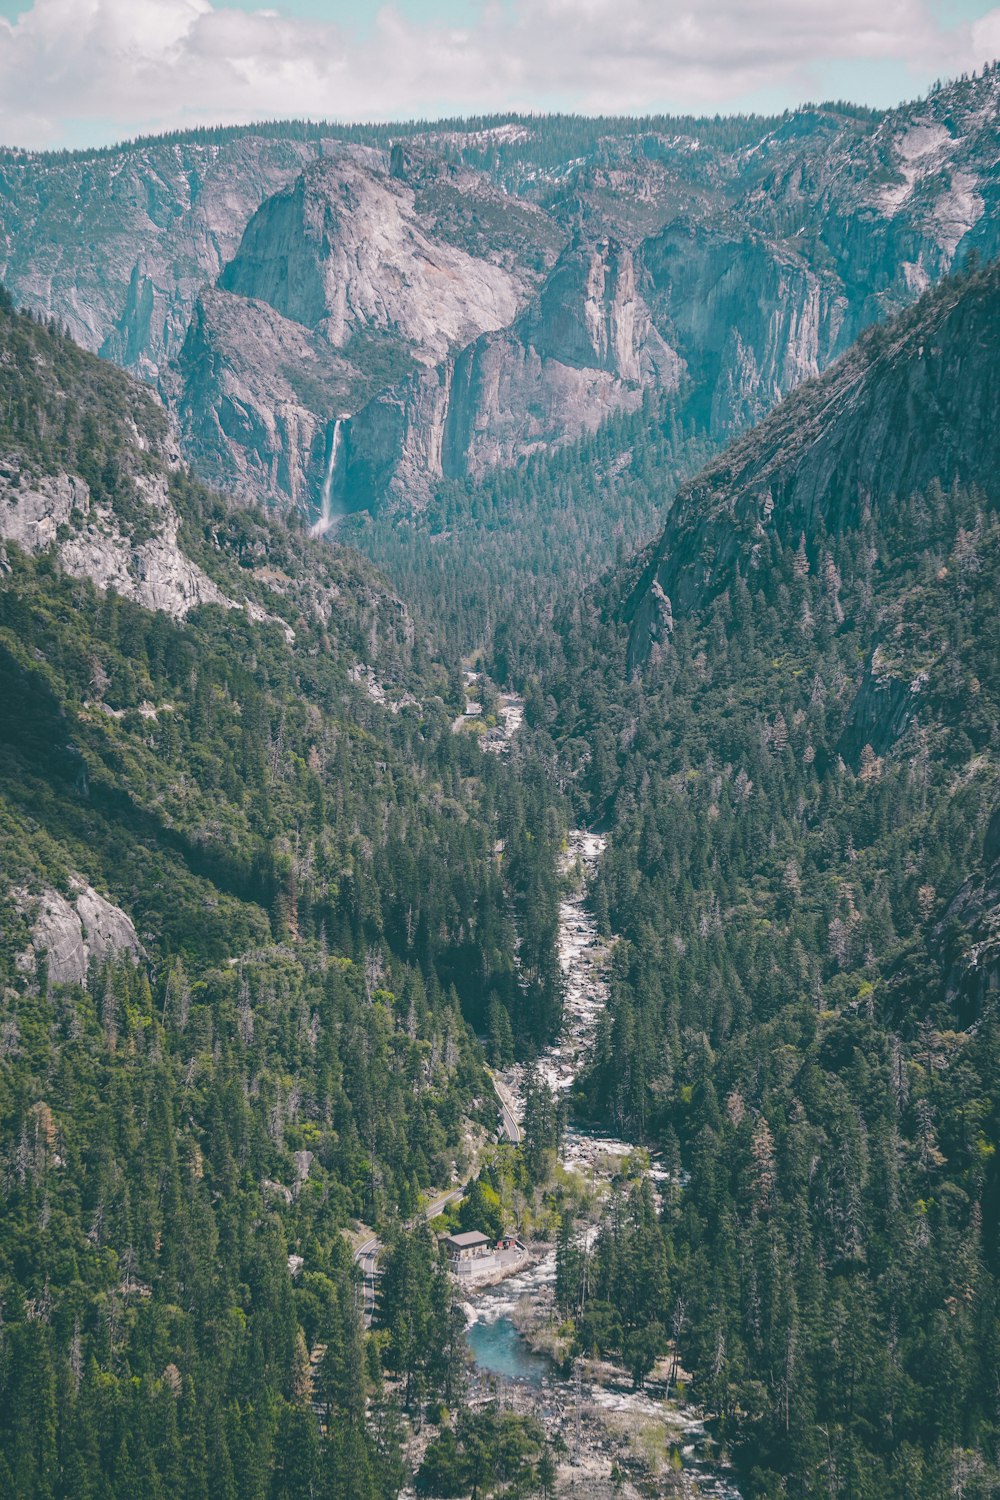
(87,72)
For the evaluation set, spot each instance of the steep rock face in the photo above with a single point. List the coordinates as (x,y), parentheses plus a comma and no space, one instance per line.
(247,387)
(887,419)
(585,348)
(883,707)
(394,446)
(923,183)
(752,318)
(339,284)
(118,245)
(343,251)
(74,933)
(91,543)
(751,270)
(830,231)
(890,204)
(589,315)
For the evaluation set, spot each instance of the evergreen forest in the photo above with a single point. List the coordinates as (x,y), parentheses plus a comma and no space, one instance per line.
(270,927)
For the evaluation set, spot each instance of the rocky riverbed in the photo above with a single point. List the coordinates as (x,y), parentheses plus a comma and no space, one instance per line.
(652,1445)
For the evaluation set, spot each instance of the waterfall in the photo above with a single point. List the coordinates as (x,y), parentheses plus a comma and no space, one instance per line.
(326,494)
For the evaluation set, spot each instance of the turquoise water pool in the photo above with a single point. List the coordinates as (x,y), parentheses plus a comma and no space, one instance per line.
(499,1349)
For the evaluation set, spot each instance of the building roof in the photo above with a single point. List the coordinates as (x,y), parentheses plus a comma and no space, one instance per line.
(468,1239)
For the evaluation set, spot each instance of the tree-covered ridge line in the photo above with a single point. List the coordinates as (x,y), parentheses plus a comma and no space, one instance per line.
(565,134)
(801,785)
(329,895)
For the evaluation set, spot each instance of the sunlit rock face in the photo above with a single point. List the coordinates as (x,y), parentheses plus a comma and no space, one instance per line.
(344,250)
(462,299)
(584,348)
(91,541)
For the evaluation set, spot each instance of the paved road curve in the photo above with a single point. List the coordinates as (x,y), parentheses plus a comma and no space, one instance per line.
(511,1129)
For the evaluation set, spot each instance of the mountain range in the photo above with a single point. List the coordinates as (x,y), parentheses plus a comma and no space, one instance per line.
(345,319)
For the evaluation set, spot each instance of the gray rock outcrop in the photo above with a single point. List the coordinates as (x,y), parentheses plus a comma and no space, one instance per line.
(967,939)
(246,390)
(73,933)
(343,251)
(57,511)
(90,541)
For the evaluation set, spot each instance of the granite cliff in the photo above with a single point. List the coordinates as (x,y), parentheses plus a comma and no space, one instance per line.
(469,296)
(118,244)
(890,417)
(584,347)
(72,932)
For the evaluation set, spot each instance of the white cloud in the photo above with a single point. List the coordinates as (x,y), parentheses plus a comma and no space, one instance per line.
(135,65)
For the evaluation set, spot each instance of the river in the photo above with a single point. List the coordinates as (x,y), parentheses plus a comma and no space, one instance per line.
(582,1408)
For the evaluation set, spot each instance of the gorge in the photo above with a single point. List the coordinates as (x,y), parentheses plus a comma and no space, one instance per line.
(500,735)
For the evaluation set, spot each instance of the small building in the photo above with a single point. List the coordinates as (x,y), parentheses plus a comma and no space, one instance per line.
(469,1245)
(509,1241)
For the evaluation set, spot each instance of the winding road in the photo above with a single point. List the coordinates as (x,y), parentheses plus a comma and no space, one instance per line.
(366,1256)
(511,1129)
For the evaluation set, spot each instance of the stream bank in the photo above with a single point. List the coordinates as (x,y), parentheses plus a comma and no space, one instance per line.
(618,1441)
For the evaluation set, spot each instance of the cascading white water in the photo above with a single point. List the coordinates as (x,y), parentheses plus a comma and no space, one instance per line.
(326,494)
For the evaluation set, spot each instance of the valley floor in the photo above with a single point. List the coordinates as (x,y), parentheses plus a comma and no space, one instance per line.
(618,1441)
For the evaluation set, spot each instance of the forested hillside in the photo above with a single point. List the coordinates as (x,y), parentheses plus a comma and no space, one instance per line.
(488,565)
(255,898)
(799,782)
(267,908)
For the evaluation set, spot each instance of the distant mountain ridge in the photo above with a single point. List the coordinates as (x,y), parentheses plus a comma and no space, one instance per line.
(733,259)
